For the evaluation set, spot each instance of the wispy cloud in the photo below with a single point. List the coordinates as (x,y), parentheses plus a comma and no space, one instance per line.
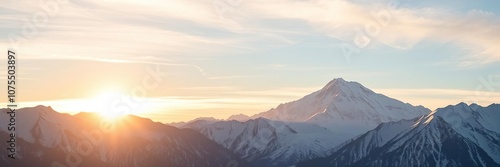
(474,31)
(119,29)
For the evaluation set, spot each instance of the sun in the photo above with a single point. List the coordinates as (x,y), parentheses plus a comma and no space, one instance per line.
(112,104)
(103,104)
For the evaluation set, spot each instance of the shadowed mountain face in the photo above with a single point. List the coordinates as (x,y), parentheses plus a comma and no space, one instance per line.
(264,142)
(458,135)
(48,138)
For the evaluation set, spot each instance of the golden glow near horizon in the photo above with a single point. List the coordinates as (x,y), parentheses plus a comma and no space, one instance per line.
(184,108)
(165,109)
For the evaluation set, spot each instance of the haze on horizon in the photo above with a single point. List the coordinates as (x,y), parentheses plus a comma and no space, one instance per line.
(222,59)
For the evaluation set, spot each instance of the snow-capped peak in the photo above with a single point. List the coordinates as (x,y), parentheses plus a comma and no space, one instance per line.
(343,103)
(339,85)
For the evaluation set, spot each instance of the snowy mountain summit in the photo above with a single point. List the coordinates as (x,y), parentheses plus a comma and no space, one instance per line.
(344,106)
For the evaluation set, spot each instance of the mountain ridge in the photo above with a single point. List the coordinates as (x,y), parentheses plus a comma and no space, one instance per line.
(431,140)
(46,137)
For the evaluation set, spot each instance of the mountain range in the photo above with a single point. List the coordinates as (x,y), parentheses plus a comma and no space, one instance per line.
(45,137)
(307,128)
(459,135)
(342,124)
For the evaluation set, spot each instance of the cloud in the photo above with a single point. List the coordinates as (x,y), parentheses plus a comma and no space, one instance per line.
(141,60)
(118,31)
(475,32)
(123,29)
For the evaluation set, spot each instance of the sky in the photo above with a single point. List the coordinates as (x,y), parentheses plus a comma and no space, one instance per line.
(217,58)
